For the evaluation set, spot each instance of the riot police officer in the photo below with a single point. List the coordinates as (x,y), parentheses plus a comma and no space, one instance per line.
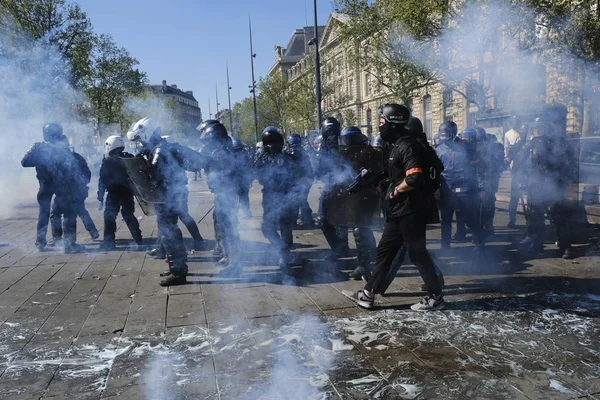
(408,209)
(244,180)
(114,180)
(279,174)
(363,235)
(169,175)
(328,170)
(306,180)
(543,176)
(486,168)
(221,175)
(461,185)
(56,169)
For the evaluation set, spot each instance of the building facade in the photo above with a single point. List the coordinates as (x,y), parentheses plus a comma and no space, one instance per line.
(186,105)
(354,93)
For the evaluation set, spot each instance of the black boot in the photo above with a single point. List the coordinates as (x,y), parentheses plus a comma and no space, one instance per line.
(173,280)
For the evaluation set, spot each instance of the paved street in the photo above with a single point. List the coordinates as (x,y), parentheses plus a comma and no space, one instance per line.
(98,325)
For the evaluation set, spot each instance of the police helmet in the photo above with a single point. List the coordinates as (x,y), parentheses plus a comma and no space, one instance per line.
(272,140)
(204,124)
(114,142)
(448,130)
(142,129)
(377,141)
(469,135)
(215,132)
(353,136)
(237,144)
(481,134)
(492,138)
(295,140)
(394,113)
(415,127)
(52,132)
(330,127)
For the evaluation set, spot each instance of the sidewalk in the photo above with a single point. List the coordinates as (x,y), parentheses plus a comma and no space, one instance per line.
(98,325)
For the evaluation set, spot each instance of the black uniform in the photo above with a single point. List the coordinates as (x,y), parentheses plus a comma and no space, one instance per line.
(114,180)
(80,193)
(41,156)
(221,175)
(169,173)
(304,184)
(544,173)
(407,216)
(244,179)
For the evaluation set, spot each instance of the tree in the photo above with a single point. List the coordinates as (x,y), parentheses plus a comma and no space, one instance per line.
(55,22)
(112,77)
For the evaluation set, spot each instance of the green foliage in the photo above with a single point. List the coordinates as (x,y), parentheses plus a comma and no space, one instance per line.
(111,79)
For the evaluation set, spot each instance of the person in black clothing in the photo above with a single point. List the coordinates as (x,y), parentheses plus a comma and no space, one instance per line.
(328,165)
(114,180)
(244,180)
(56,170)
(278,173)
(307,177)
(169,174)
(408,210)
(80,193)
(462,187)
(221,172)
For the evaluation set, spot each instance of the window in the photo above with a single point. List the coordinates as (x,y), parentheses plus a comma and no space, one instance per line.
(369,121)
(448,105)
(368,84)
(351,88)
(427,115)
(472,108)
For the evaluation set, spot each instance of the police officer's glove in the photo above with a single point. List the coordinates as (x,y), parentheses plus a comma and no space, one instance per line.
(100,205)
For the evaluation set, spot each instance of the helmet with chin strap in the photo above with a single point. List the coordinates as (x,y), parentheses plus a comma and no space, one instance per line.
(272,140)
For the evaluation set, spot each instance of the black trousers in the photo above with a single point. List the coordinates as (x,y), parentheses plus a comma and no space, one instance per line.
(226,225)
(124,203)
(469,206)
(278,213)
(44,199)
(244,197)
(171,238)
(407,230)
(83,213)
(559,213)
(305,210)
(64,219)
(180,198)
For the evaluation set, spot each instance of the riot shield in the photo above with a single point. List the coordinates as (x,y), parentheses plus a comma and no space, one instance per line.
(144,188)
(360,209)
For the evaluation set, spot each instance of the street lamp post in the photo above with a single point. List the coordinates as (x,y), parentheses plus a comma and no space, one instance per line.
(217,95)
(317,69)
(229,100)
(253,86)
(209,112)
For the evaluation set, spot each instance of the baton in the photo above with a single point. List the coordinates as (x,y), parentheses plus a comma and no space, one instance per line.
(209,210)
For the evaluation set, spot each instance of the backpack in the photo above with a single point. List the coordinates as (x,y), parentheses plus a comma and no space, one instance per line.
(432,168)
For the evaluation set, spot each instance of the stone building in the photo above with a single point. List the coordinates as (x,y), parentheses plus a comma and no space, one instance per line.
(355,94)
(186,103)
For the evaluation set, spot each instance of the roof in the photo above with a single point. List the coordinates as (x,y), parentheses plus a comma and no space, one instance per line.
(159,89)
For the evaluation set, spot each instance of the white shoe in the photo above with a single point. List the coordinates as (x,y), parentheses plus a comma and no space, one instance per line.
(429,304)
(360,298)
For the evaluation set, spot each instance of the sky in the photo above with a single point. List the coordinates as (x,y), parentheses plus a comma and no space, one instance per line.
(188,43)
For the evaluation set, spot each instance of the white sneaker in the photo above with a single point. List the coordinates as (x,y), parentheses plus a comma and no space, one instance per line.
(429,304)
(360,298)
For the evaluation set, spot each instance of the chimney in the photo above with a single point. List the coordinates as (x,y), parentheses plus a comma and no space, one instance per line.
(164,85)
(174,86)
(191,93)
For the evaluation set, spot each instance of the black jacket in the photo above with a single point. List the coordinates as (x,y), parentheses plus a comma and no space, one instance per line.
(406,155)
(113,176)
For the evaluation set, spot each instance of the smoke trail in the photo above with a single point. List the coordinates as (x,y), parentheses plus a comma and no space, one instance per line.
(34,90)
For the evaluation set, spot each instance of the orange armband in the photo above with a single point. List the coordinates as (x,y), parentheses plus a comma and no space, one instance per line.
(413,171)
